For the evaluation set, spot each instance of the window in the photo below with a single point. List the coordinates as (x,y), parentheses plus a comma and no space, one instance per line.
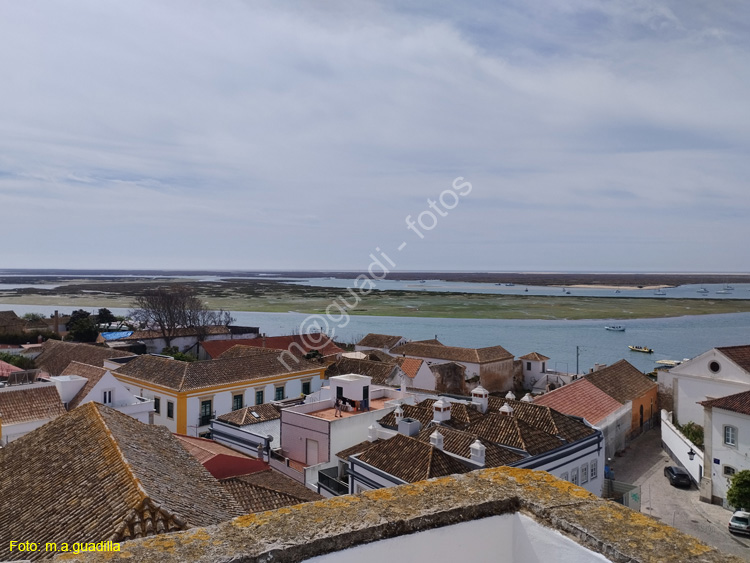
(593,467)
(237,402)
(714,366)
(305,387)
(205,412)
(544,367)
(564,476)
(528,366)
(259,399)
(170,409)
(574,476)
(584,473)
(729,470)
(730,436)
(157,405)
(107,398)
(279,394)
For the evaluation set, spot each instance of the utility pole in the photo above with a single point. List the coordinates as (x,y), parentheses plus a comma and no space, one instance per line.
(576,360)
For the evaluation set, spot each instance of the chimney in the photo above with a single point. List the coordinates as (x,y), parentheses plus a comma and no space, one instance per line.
(57,322)
(527,398)
(480,398)
(510,396)
(441,411)
(264,340)
(436,439)
(477,452)
(506,410)
(399,414)
(372,433)
(409,427)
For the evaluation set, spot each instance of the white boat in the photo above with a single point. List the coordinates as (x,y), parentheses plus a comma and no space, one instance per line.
(702,290)
(617,328)
(723,291)
(660,292)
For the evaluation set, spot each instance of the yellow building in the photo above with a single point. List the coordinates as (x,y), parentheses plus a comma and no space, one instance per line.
(187,395)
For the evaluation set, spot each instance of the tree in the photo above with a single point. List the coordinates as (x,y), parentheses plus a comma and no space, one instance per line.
(738,494)
(167,309)
(105,316)
(34,317)
(83,330)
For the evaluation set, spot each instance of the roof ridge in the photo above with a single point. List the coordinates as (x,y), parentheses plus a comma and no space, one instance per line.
(139,486)
(184,375)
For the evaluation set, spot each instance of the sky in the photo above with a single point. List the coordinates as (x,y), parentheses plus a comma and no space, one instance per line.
(250,135)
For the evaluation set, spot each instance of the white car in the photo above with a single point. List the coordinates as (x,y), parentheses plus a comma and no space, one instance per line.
(740,523)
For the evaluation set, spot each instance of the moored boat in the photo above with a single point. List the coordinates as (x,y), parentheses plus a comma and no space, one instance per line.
(643,349)
(616,328)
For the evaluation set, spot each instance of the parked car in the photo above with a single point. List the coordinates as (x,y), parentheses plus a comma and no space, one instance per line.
(740,523)
(677,476)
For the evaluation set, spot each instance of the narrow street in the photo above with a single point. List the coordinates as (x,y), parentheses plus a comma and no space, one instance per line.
(643,464)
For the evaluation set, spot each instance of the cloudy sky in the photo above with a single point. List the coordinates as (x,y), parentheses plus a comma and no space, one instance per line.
(610,135)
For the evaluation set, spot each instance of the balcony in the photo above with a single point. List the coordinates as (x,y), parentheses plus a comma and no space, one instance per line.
(329,479)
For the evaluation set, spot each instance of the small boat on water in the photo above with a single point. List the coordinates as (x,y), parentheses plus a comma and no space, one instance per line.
(643,349)
(724,291)
(616,328)
(510,284)
(702,290)
(660,292)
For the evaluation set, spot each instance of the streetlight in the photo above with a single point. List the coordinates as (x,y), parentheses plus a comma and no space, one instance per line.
(691,454)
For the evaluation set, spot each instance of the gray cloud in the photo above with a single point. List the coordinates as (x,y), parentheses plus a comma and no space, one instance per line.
(197,134)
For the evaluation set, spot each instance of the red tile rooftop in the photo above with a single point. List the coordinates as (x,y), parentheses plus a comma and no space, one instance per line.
(328,413)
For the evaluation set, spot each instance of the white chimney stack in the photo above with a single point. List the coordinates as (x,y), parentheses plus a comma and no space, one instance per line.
(527,398)
(510,396)
(506,410)
(441,411)
(372,433)
(477,452)
(480,398)
(399,414)
(436,439)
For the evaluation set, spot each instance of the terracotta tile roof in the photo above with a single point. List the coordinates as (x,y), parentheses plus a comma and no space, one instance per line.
(241,351)
(434,341)
(10,322)
(458,442)
(355,449)
(545,419)
(513,432)
(453,353)
(6,369)
(580,398)
(380,372)
(185,376)
(410,366)
(373,340)
(245,416)
(203,449)
(92,374)
(461,414)
(739,403)
(96,474)
(738,354)
(411,460)
(298,344)
(534,357)
(267,490)
(26,403)
(56,355)
(379,356)
(422,414)
(621,381)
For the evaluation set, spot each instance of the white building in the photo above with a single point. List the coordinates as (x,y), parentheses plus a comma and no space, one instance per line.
(488,433)
(80,384)
(250,430)
(726,444)
(188,395)
(716,373)
(24,408)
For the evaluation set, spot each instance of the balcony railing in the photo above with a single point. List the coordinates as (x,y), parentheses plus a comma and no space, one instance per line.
(328,478)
